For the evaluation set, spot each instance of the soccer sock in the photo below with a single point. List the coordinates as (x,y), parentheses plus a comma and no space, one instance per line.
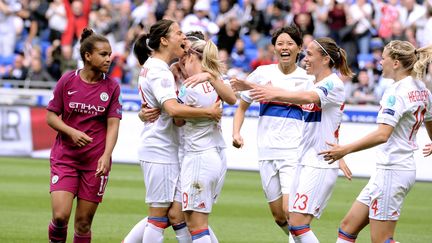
(82,238)
(303,233)
(56,233)
(212,235)
(201,236)
(136,233)
(390,240)
(344,237)
(182,233)
(285,229)
(153,232)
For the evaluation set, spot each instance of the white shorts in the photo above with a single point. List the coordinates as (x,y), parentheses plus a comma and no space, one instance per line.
(276,176)
(311,189)
(202,178)
(160,181)
(385,192)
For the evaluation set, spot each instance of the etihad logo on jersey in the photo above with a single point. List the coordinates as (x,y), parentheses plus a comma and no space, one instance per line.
(86,108)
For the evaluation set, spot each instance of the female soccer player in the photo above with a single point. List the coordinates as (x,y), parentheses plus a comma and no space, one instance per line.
(158,152)
(280,124)
(86,112)
(204,164)
(404,107)
(315,178)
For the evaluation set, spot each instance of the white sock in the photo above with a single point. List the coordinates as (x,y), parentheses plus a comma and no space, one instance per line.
(303,234)
(201,236)
(291,239)
(153,233)
(344,237)
(136,233)
(182,233)
(212,235)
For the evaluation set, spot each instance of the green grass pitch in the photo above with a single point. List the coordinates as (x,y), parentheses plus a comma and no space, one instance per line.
(241,214)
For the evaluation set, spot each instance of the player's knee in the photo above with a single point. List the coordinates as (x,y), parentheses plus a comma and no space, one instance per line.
(82,226)
(60,220)
(175,216)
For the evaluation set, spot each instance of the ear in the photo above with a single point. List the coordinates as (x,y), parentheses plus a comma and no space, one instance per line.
(164,41)
(396,64)
(87,56)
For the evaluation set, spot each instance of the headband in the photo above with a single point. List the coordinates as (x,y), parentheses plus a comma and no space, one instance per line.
(324,50)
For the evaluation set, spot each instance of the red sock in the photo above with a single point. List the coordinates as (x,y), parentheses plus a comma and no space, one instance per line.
(82,238)
(56,233)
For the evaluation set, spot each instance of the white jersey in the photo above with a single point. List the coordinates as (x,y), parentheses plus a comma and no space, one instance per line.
(322,122)
(201,133)
(280,124)
(159,139)
(404,106)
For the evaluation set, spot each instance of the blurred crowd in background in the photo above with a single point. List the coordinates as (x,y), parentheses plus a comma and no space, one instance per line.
(39,38)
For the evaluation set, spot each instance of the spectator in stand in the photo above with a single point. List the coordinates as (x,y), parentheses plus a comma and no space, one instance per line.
(57,20)
(412,14)
(337,19)
(39,30)
(238,57)
(199,21)
(427,38)
(18,71)
(37,71)
(8,10)
(389,14)
(363,91)
(228,34)
(320,18)
(361,16)
(77,13)
(265,57)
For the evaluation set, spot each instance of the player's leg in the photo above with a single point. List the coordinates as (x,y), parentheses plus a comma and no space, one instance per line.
(312,188)
(177,220)
(61,202)
(136,233)
(198,226)
(354,221)
(63,188)
(382,231)
(157,176)
(391,188)
(271,185)
(84,214)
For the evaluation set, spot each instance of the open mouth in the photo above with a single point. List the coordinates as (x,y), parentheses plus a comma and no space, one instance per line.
(285,54)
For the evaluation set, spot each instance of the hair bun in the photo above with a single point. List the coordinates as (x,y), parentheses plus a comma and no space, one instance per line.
(86,33)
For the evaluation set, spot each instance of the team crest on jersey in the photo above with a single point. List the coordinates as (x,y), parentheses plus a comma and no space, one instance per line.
(329,85)
(182,91)
(391,100)
(104,96)
(166,83)
(54,179)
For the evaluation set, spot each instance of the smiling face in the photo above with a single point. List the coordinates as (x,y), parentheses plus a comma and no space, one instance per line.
(175,41)
(100,59)
(315,62)
(286,50)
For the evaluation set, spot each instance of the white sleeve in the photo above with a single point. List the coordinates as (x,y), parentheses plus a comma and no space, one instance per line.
(392,109)
(331,92)
(163,86)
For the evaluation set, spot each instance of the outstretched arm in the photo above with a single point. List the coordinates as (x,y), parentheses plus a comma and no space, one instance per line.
(379,136)
(267,93)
